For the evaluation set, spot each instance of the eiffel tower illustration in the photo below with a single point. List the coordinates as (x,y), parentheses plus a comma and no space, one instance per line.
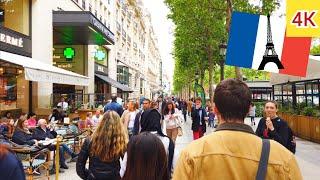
(273,57)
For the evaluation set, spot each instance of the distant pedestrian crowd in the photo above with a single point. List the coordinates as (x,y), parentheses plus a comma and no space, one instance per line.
(137,140)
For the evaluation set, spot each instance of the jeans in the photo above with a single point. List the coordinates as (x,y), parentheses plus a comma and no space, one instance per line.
(66,149)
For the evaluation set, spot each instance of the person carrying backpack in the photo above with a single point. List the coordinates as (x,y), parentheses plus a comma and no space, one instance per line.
(273,127)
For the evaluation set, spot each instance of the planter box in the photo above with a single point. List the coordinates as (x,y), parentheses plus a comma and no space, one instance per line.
(303,126)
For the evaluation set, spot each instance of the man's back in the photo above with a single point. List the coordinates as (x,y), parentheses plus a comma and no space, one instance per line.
(232,154)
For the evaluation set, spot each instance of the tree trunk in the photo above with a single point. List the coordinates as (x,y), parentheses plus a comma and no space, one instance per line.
(229,12)
(221,70)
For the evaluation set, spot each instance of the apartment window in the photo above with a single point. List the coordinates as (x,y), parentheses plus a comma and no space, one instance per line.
(100,18)
(90,7)
(96,13)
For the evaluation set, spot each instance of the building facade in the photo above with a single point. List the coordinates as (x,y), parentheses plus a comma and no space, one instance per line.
(83,50)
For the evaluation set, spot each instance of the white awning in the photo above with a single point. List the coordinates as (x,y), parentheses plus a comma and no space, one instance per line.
(36,70)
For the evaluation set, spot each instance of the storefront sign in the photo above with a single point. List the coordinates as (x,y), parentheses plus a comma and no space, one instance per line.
(100,68)
(96,23)
(1,15)
(14,42)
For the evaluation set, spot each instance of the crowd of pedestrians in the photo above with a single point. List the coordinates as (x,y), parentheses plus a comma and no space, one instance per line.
(138,141)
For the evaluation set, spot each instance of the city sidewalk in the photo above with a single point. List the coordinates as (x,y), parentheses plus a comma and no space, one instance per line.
(307,154)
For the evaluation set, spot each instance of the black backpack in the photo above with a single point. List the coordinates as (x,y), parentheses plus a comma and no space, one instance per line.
(291,143)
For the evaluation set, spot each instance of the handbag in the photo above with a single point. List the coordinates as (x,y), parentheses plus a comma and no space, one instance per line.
(180,131)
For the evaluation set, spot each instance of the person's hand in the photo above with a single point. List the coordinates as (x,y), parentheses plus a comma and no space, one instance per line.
(36,143)
(269,124)
(206,118)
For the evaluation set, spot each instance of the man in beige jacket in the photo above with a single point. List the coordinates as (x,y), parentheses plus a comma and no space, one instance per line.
(233,151)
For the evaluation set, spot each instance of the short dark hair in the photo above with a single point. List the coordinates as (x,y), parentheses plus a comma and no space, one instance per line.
(113,98)
(273,102)
(232,98)
(146,99)
(198,99)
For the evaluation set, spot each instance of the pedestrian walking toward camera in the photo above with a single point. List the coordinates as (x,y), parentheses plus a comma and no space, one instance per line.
(273,127)
(171,118)
(233,151)
(199,117)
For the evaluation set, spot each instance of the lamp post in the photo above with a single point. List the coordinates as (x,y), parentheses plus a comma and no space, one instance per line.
(223,50)
(199,90)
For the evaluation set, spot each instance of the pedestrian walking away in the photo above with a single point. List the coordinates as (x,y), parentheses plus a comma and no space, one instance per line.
(114,106)
(104,149)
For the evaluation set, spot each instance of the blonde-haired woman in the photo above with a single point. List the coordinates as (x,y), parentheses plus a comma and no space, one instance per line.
(104,149)
(128,117)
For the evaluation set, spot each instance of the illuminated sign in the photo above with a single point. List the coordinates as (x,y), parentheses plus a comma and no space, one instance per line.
(69,53)
(99,55)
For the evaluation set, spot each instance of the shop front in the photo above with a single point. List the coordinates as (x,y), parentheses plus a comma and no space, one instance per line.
(80,41)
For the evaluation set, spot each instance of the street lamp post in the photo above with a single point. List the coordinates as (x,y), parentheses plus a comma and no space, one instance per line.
(199,90)
(223,50)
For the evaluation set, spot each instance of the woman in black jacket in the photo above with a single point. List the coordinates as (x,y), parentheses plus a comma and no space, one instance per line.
(22,135)
(271,126)
(104,149)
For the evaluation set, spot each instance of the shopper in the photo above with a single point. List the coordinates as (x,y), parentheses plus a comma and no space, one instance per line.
(234,151)
(114,106)
(10,166)
(103,149)
(252,114)
(211,116)
(147,159)
(146,104)
(171,116)
(150,122)
(199,117)
(272,126)
(128,117)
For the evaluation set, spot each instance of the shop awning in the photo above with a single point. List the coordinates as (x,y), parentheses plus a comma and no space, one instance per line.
(36,70)
(79,28)
(114,83)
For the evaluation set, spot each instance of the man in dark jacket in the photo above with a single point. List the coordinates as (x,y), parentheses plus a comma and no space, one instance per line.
(199,116)
(272,127)
(114,106)
(42,132)
(146,103)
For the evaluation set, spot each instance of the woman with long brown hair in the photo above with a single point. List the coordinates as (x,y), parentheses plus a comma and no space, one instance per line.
(147,159)
(22,135)
(171,118)
(104,149)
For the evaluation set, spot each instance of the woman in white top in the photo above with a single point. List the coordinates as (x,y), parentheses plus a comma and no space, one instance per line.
(150,122)
(129,116)
(171,115)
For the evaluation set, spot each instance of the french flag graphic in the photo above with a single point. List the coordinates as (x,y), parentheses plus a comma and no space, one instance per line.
(259,42)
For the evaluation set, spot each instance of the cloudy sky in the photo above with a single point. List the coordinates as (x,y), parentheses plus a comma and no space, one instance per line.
(164,29)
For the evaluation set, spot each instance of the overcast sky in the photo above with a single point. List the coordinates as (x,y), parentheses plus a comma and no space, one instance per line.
(164,29)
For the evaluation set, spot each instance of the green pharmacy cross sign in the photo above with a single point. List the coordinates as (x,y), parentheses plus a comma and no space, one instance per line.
(69,53)
(100,55)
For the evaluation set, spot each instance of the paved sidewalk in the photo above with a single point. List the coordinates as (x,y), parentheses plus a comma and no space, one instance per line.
(308,154)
